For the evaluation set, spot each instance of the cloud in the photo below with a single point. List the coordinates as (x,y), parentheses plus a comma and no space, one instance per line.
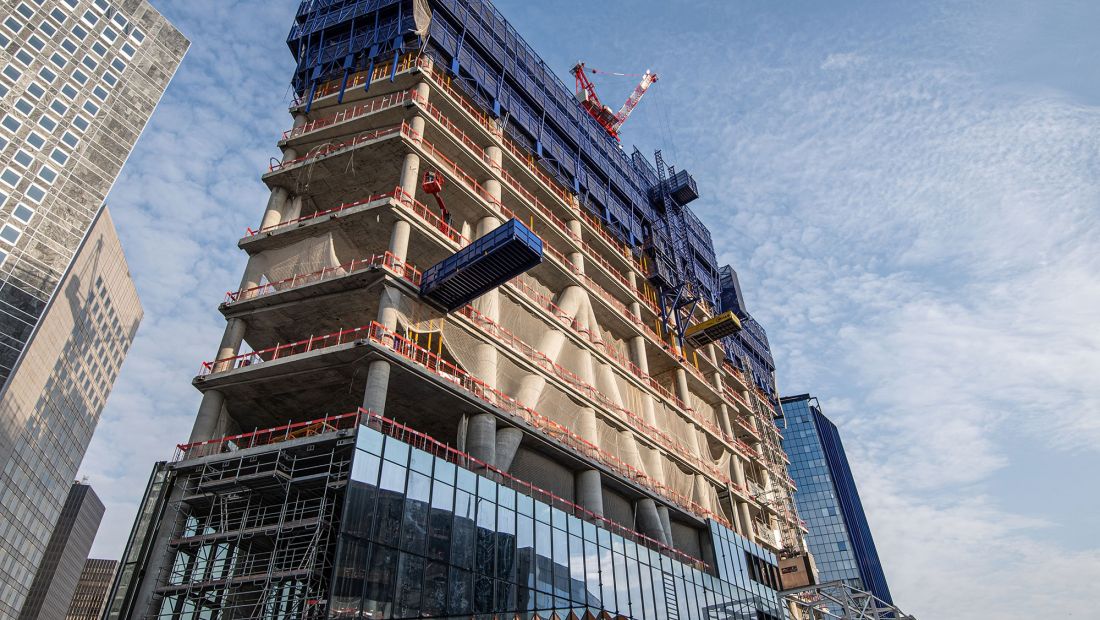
(839,60)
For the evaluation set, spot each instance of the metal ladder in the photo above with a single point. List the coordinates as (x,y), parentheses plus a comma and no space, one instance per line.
(672,603)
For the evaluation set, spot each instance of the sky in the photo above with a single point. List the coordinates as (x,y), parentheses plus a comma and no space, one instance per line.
(908,190)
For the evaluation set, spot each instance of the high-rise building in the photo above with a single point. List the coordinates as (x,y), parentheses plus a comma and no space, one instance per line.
(90,596)
(839,536)
(486,347)
(53,401)
(59,571)
(79,79)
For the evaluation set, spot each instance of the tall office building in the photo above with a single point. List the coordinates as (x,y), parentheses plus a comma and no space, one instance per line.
(90,597)
(59,571)
(828,501)
(78,81)
(542,421)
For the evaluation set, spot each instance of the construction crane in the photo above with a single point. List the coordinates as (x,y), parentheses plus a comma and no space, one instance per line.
(610,120)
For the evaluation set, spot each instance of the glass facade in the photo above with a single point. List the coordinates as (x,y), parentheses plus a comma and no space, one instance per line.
(422,537)
(828,501)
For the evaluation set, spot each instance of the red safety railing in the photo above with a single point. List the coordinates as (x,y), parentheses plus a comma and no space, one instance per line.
(328,149)
(266,437)
(312,216)
(386,261)
(378,104)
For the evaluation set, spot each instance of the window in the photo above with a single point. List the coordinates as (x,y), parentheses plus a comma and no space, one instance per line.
(69,46)
(119,20)
(59,156)
(24,57)
(24,106)
(23,158)
(3,143)
(103,5)
(25,10)
(89,62)
(35,193)
(59,107)
(47,123)
(72,3)
(3,198)
(47,75)
(110,78)
(128,50)
(58,60)
(80,76)
(3,256)
(10,233)
(3,90)
(10,177)
(98,48)
(48,28)
(36,43)
(36,141)
(109,34)
(118,64)
(137,35)
(11,123)
(13,24)
(69,91)
(35,90)
(4,41)
(70,139)
(80,122)
(80,32)
(23,213)
(91,108)
(12,73)
(47,174)
(100,93)
(58,16)
(90,18)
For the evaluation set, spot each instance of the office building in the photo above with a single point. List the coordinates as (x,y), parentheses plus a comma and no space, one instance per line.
(90,596)
(79,79)
(487,349)
(59,571)
(839,536)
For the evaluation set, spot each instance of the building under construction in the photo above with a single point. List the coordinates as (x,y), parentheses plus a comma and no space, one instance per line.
(481,361)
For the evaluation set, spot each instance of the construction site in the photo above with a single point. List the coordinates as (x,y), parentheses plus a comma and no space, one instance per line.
(482,361)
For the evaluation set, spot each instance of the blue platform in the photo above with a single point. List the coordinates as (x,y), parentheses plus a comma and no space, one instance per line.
(481,266)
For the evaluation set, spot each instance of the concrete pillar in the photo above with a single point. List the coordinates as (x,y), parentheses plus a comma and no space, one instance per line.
(378,385)
(293,209)
(289,154)
(724,419)
(481,438)
(399,240)
(507,443)
(208,417)
(231,344)
(637,352)
(587,426)
(416,124)
(423,91)
(576,258)
(300,119)
(276,208)
(589,491)
(682,390)
(486,356)
(253,272)
(703,496)
(666,523)
(648,522)
(388,304)
(410,175)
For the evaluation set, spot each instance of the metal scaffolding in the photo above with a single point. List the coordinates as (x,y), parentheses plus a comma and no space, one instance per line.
(255,527)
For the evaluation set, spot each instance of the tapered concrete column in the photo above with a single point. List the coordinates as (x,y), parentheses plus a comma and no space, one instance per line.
(648,521)
(230,345)
(682,390)
(253,272)
(724,419)
(649,409)
(208,417)
(289,154)
(666,523)
(575,228)
(388,304)
(576,259)
(481,438)
(299,120)
(712,353)
(423,92)
(486,356)
(293,209)
(589,491)
(703,496)
(410,175)
(508,441)
(378,386)
(638,354)
(587,427)
(416,124)
(276,208)
(399,240)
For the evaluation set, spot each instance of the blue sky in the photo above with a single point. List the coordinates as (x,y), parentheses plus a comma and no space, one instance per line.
(909,190)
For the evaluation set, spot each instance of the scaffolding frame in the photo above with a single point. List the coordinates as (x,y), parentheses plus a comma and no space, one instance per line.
(255,528)
(839,600)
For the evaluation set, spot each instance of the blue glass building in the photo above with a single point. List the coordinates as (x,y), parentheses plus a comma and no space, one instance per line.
(828,501)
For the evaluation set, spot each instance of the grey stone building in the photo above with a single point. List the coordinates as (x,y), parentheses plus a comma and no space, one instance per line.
(79,79)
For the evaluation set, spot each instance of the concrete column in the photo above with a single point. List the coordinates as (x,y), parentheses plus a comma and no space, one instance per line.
(410,175)
(276,208)
(576,258)
(253,272)
(724,419)
(423,92)
(300,119)
(666,523)
(378,385)
(417,125)
(486,357)
(637,352)
(388,303)
(231,343)
(702,494)
(587,426)
(293,209)
(208,417)
(289,154)
(648,521)
(507,443)
(712,354)
(481,438)
(682,390)
(399,240)
(589,491)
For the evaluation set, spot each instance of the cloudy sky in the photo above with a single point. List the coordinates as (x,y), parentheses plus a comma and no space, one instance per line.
(909,190)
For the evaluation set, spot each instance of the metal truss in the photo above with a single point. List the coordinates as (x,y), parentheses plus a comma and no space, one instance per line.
(839,600)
